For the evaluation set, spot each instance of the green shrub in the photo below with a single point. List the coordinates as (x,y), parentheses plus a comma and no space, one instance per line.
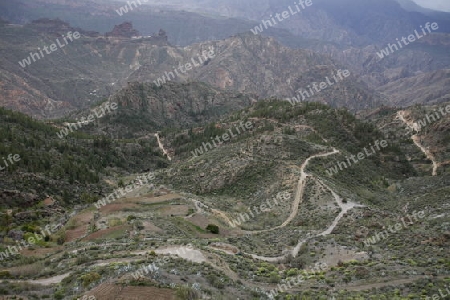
(187,293)
(90,278)
(5,274)
(213,228)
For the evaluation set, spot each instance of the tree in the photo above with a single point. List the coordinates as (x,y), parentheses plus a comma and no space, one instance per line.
(61,238)
(213,228)
(121,184)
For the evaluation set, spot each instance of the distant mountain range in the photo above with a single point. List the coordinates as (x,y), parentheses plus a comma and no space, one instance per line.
(342,34)
(327,108)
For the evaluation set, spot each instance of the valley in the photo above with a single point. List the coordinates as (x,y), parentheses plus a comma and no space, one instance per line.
(206,150)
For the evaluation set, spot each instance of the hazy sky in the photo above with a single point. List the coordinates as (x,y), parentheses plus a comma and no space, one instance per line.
(443,5)
(435,4)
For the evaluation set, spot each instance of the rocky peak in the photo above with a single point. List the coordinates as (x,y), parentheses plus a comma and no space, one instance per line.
(123,30)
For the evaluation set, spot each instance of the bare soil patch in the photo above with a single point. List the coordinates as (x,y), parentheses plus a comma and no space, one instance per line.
(77,233)
(81,223)
(150,227)
(335,254)
(102,233)
(193,255)
(116,292)
(227,248)
(174,210)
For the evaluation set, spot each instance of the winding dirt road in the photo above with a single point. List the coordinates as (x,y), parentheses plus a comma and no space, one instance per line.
(345,207)
(161,146)
(196,255)
(428,154)
(416,139)
(297,200)
(44,281)
(298,195)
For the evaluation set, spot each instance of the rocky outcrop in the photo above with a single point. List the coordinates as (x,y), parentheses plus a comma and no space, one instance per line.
(123,30)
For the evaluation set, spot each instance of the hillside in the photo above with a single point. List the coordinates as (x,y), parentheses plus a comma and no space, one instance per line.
(422,133)
(312,220)
(261,66)
(431,88)
(72,170)
(145,107)
(194,150)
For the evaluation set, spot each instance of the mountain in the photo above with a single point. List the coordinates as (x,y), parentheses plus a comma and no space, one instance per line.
(84,72)
(431,88)
(183,28)
(311,217)
(345,20)
(352,34)
(166,150)
(341,35)
(95,76)
(422,132)
(261,66)
(410,5)
(186,22)
(147,107)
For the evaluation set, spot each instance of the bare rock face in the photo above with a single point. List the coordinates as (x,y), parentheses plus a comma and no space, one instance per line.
(162,34)
(123,30)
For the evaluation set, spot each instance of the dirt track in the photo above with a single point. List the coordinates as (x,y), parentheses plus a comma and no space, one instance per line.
(416,140)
